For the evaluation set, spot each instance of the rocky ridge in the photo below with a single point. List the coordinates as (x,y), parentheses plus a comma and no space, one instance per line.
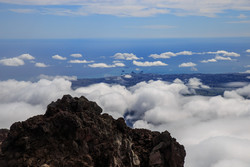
(73,132)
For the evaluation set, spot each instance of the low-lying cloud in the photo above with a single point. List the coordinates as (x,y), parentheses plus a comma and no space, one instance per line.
(58,57)
(104,65)
(149,64)
(134,8)
(126,56)
(41,65)
(16,61)
(80,61)
(188,64)
(214,130)
(76,55)
(168,55)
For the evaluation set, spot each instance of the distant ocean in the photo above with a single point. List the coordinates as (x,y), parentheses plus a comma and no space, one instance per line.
(102,50)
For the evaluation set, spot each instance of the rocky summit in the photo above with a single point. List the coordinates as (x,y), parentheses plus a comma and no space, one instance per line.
(74,133)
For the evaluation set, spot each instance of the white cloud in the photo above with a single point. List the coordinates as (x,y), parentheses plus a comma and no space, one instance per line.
(126,56)
(236,84)
(16,61)
(42,65)
(104,65)
(244,91)
(247,66)
(48,77)
(127,76)
(20,100)
(12,62)
(140,8)
(217,57)
(80,61)
(248,50)
(57,57)
(196,83)
(76,55)
(247,72)
(26,57)
(165,55)
(208,61)
(119,65)
(184,53)
(149,64)
(214,130)
(223,58)
(225,53)
(188,64)
(168,55)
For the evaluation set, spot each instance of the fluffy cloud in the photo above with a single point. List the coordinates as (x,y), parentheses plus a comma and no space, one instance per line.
(217,57)
(214,130)
(57,57)
(104,65)
(208,61)
(126,56)
(127,76)
(12,62)
(165,55)
(149,64)
(139,8)
(223,58)
(225,53)
(76,55)
(26,57)
(48,77)
(248,50)
(16,61)
(196,83)
(20,100)
(80,61)
(168,55)
(188,64)
(42,65)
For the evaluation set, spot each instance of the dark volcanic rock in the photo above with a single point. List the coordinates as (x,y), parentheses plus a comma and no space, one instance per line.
(74,133)
(3,136)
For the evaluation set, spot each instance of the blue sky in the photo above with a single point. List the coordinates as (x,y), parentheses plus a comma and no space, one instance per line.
(123,18)
(186,36)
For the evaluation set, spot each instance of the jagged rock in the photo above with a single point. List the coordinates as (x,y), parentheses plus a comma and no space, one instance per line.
(73,132)
(3,136)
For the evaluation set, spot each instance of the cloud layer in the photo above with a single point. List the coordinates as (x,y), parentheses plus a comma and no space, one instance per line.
(137,8)
(214,130)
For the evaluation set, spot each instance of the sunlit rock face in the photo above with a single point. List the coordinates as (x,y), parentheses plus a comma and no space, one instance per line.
(73,132)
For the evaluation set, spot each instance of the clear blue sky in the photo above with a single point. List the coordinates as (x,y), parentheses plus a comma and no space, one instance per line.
(28,19)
